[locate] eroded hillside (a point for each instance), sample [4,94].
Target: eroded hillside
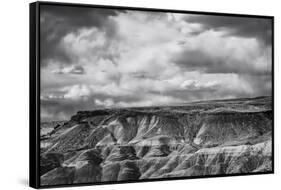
[194,139]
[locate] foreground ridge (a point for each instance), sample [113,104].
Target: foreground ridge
[193,139]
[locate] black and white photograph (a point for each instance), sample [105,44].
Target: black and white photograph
[137,95]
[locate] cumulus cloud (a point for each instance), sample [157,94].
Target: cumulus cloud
[58,21]
[105,103]
[196,85]
[77,92]
[213,52]
[97,58]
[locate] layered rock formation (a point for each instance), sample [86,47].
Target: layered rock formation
[195,139]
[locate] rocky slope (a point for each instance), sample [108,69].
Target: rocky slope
[194,139]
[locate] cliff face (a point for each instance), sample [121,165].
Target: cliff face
[203,138]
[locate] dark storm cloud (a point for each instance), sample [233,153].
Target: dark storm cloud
[259,28]
[196,60]
[57,21]
[76,70]
[144,75]
[261,83]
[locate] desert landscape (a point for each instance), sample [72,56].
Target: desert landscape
[231,136]
[138,95]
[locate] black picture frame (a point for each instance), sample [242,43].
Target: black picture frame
[34,83]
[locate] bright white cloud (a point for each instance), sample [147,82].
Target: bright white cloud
[82,42]
[106,103]
[77,92]
[197,85]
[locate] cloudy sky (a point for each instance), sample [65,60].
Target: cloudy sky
[95,58]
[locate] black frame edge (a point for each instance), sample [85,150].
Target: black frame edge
[152,9]
[33,91]
[273,95]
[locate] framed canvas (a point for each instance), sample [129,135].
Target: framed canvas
[126,94]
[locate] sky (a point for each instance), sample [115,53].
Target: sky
[93,58]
